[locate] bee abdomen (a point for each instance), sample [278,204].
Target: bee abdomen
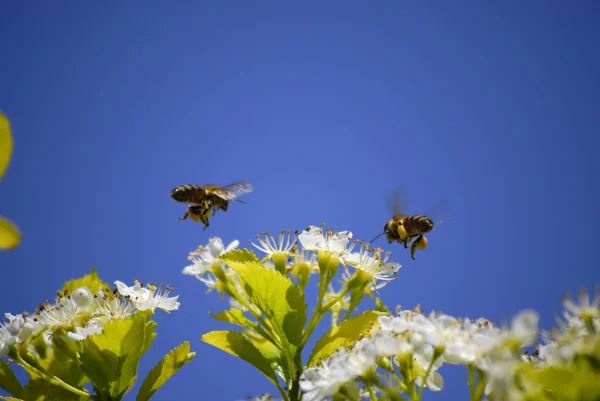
[411,224]
[192,193]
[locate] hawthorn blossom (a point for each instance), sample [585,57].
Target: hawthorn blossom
[204,257]
[271,247]
[149,297]
[371,262]
[313,239]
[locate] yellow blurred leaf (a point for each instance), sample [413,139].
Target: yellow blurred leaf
[5,144]
[10,236]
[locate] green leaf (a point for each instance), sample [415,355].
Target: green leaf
[10,236]
[347,333]
[150,335]
[91,281]
[10,398]
[41,346]
[236,344]
[8,380]
[42,390]
[110,359]
[240,255]
[236,316]
[267,348]
[6,144]
[166,368]
[64,362]
[281,301]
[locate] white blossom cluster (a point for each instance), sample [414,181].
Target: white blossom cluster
[82,314]
[313,240]
[434,339]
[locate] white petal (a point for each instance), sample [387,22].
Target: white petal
[234,244]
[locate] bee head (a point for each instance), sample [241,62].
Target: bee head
[426,225]
[178,194]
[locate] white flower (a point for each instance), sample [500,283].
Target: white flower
[111,308]
[269,246]
[149,297]
[323,381]
[83,298]
[422,361]
[524,326]
[81,333]
[313,239]
[586,309]
[371,262]
[445,332]
[204,257]
[63,313]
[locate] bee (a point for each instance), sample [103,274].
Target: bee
[404,228]
[205,199]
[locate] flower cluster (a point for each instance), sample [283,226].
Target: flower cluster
[376,355]
[81,313]
[417,345]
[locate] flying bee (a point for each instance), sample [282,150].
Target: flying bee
[206,198]
[405,228]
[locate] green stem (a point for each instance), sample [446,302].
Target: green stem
[471,381]
[51,378]
[409,382]
[480,386]
[282,392]
[436,355]
[335,300]
[371,392]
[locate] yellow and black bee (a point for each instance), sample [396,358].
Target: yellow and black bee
[404,228]
[206,198]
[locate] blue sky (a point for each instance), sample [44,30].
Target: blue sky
[324,108]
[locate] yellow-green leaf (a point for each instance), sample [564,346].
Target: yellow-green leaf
[237,345]
[240,255]
[347,333]
[236,316]
[42,390]
[8,380]
[10,236]
[5,144]
[150,335]
[10,398]
[110,359]
[275,295]
[91,281]
[166,368]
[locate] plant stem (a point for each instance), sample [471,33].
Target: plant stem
[471,381]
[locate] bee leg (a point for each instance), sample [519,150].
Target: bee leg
[204,219]
[187,213]
[420,243]
[402,234]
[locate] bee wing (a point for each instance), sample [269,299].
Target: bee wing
[233,191]
[396,200]
[440,212]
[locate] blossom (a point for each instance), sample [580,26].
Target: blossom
[268,245]
[585,309]
[445,333]
[149,297]
[371,262]
[423,359]
[313,239]
[81,333]
[325,380]
[204,257]
[112,307]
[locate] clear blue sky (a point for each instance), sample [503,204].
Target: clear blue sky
[324,107]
